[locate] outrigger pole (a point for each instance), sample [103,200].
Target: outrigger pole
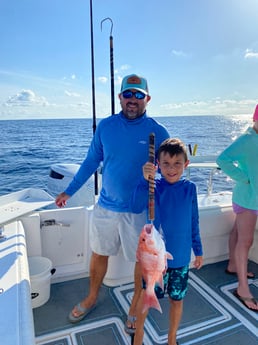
[111,65]
[93,89]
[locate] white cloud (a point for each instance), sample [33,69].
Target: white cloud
[72,94]
[125,67]
[216,106]
[250,54]
[118,80]
[25,98]
[71,77]
[179,53]
[103,80]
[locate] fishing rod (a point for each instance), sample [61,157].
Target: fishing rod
[111,65]
[151,179]
[93,90]
[192,152]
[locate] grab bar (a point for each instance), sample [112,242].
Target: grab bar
[52,222]
[2,235]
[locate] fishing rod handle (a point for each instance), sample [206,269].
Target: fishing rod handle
[151,180]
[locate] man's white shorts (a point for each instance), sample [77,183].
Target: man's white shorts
[110,230]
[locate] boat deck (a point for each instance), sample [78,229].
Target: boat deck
[212,315]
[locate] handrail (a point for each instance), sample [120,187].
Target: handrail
[204,162]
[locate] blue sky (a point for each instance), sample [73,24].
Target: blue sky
[200,56]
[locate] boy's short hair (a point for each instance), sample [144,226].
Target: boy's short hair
[173,146]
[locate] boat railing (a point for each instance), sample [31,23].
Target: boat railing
[204,162]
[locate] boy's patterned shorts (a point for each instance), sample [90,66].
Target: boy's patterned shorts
[175,283]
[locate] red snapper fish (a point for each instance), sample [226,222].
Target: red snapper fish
[152,256]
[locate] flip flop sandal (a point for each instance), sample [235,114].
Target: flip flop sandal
[130,329]
[243,300]
[83,312]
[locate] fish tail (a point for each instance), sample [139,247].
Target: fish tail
[150,301]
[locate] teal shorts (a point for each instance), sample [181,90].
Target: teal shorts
[175,283]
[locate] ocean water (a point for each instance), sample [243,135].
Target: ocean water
[28,148]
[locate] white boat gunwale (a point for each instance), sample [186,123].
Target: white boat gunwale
[24,227]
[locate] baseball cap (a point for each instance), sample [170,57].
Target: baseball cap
[136,82]
[255,116]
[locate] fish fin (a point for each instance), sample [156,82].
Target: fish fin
[169,256]
[160,230]
[161,282]
[150,301]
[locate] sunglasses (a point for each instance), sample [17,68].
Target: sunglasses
[136,94]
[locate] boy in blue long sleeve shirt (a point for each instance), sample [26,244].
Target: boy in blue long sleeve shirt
[176,212]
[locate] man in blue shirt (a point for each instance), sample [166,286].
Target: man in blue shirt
[121,144]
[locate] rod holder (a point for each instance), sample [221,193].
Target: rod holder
[53,222]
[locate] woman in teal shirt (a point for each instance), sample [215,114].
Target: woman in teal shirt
[239,161]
